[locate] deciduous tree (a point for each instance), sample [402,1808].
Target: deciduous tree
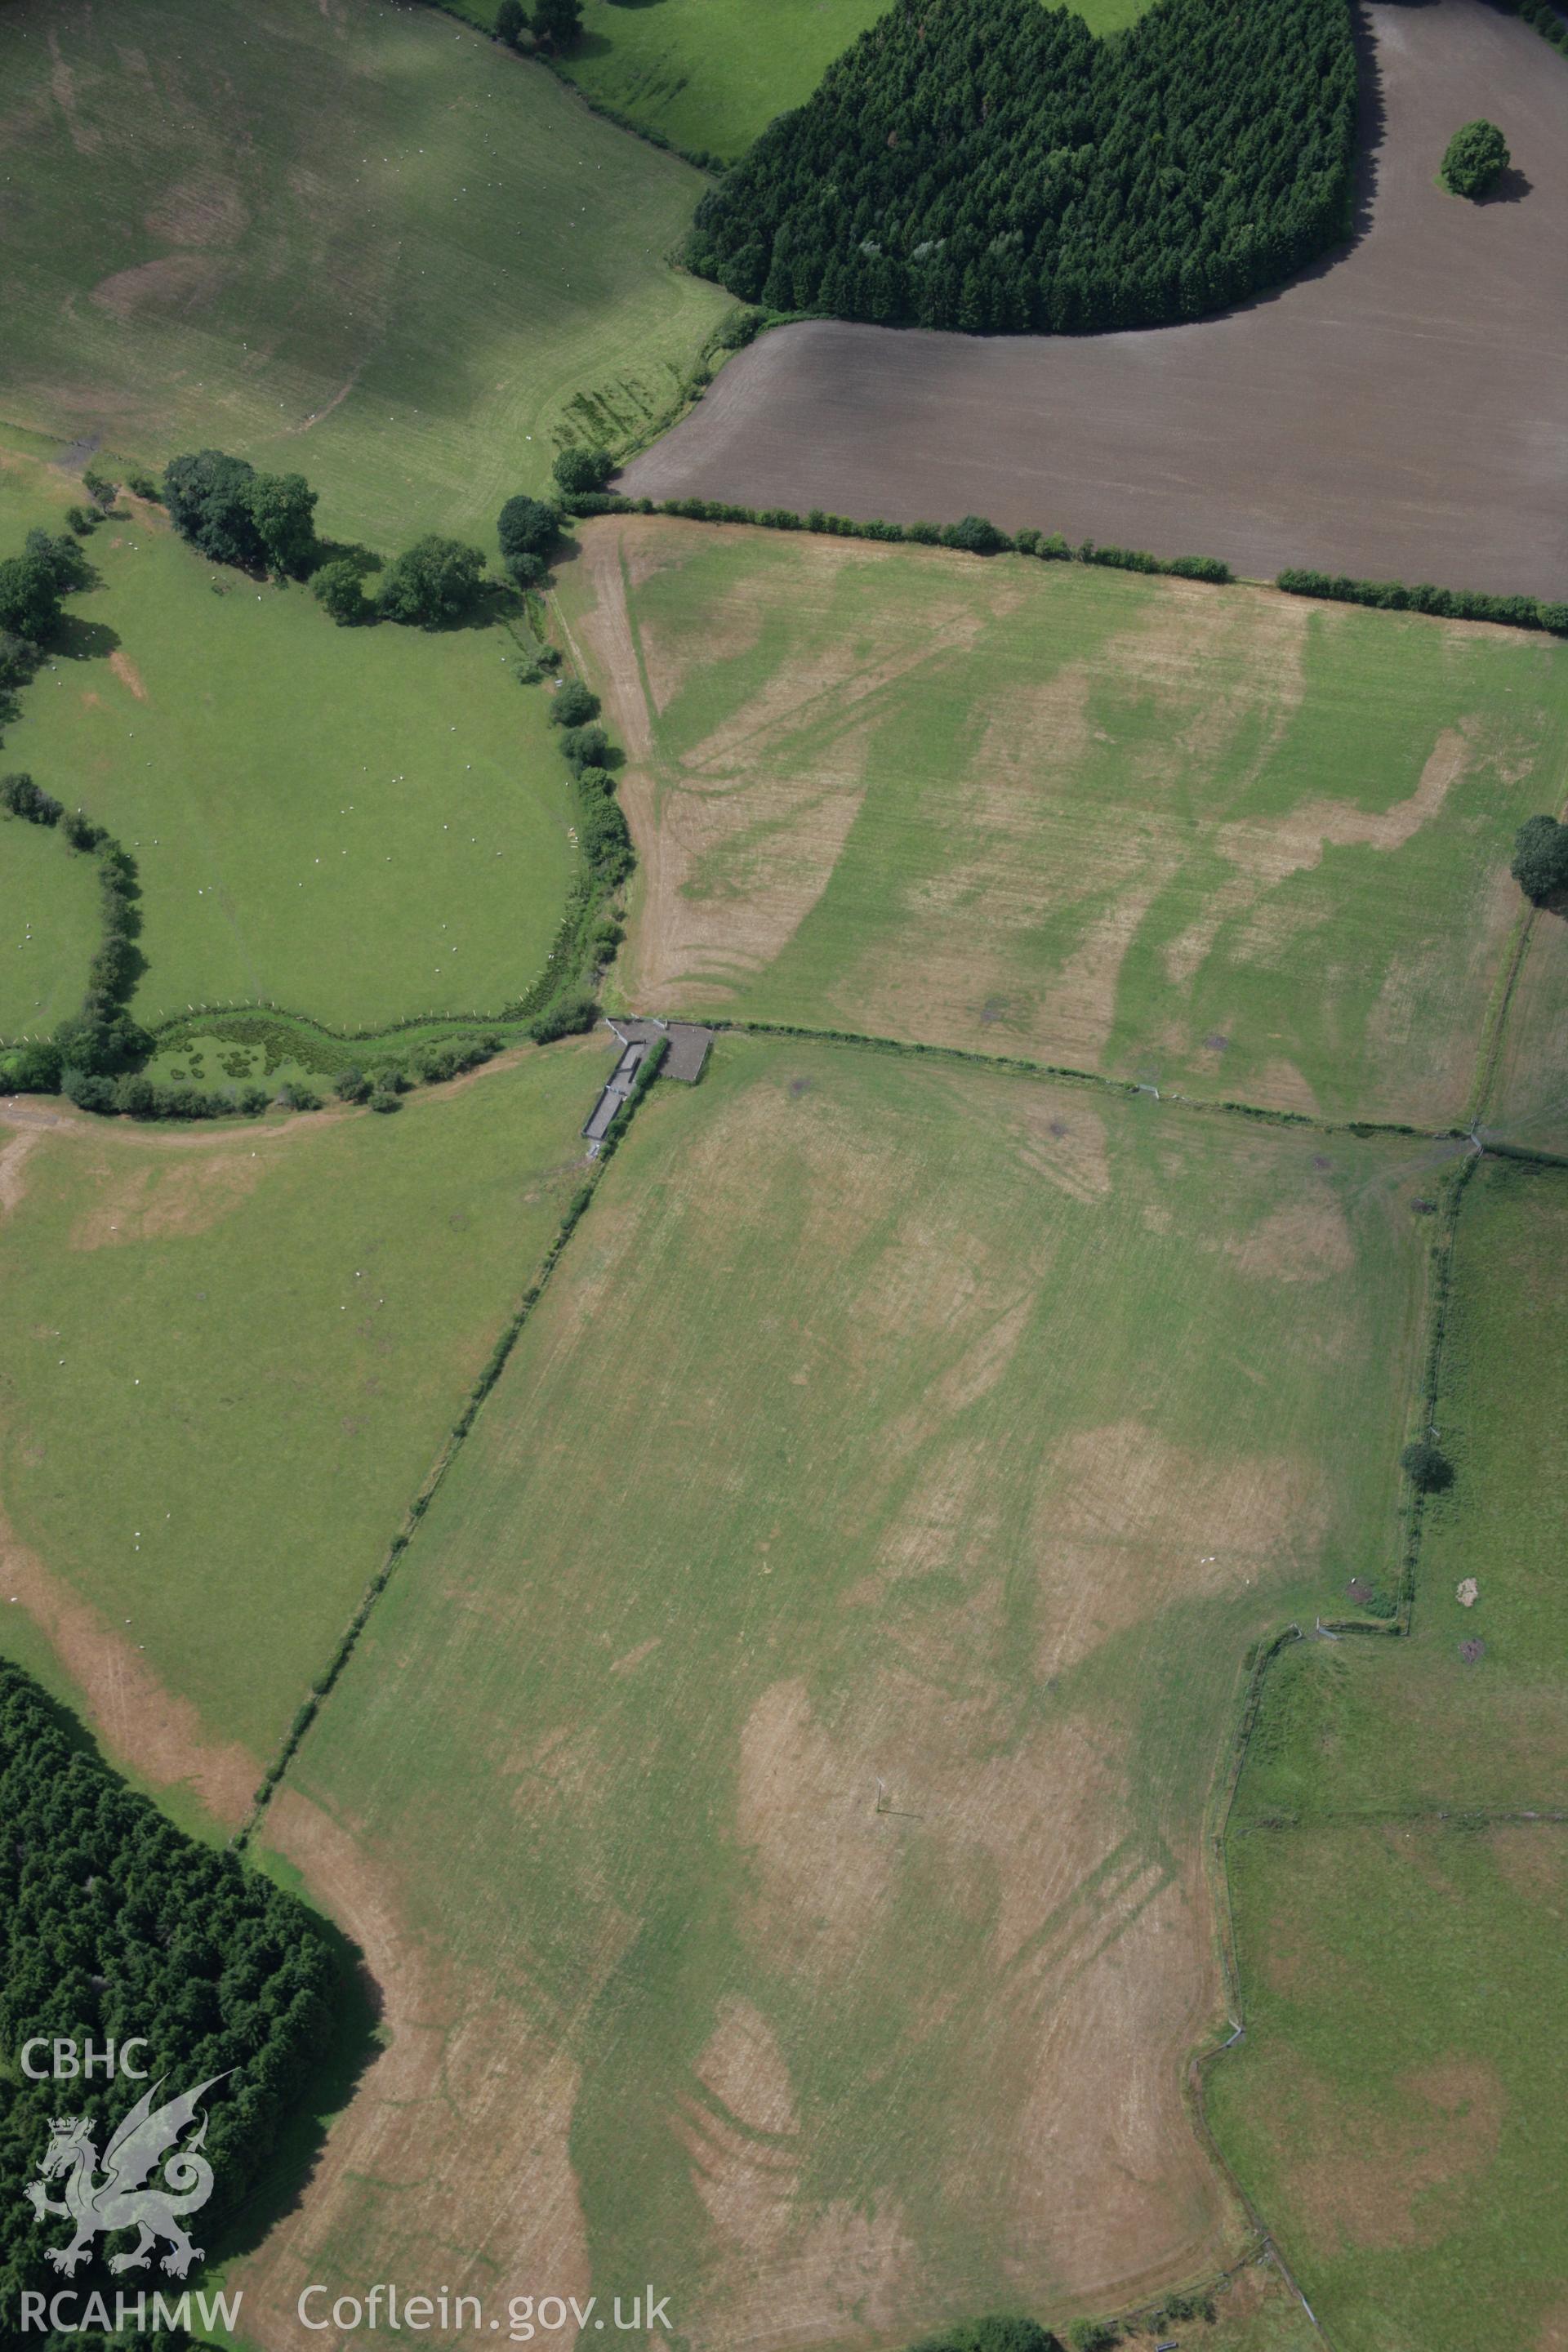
[558,23]
[1540,864]
[1476,159]
[434,581]
[341,592]
[527,526]
[1428,1467]
[283,509]
[29,598]
[573,704]
[579,470]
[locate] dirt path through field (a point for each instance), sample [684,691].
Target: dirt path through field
[1364,419]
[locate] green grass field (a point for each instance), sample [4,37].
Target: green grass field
[360,824]
[1528,1101]
[50,931]
[1215,840]
[712,74]
[1398,2105]
[359,241]
[229,1360]
[888,1426]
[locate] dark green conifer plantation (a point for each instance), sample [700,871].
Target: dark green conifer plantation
[990,166]
[115,1925]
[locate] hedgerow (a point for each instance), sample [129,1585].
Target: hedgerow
[1544,18]
[562,1001]
[990,166]
[972,534]
[1447,603]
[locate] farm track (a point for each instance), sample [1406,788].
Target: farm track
[1362,419]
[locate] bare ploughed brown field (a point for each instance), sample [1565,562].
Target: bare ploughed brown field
[1400,413]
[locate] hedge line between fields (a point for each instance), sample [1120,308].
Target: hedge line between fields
[97,1057]
[1064,1074]
[1544,18]
[701,158]
[1263,1656]
[973,535]
[325,1682]
[1442,604]
[1432,1370]
[978,536]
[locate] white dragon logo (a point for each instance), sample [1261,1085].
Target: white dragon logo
[117,2201]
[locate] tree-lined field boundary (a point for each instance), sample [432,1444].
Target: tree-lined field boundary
[1062,1074]
[1263,1658]
[452,1445]
[978,535]
[1413,1514]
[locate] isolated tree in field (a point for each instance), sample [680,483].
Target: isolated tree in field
[574,704]
[1475,160]
[1428,1467]
[510,22]
[526,526]
[207,497]
[338,587]
[1540,864]
[434,580]
[282,509]
[580,470]
[558,23]
[29,597]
